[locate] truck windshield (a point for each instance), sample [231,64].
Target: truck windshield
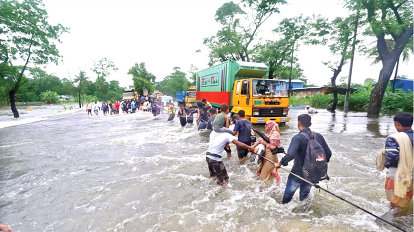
[269,88]
[128,95]
[191,94]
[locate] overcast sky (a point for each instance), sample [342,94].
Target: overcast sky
[166,34]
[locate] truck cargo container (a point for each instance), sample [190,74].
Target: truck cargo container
[245,86]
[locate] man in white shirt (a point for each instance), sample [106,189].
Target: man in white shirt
[214,155]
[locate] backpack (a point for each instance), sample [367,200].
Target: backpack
[247,135]
[315,167]
[154,107]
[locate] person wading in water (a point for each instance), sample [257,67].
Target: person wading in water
[266,169]
[214,155]
[397,157]
[297,151]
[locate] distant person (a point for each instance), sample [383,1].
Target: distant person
[5,228]
[117,107]
[96,108]
[145,106]
[213,114]
[110,109]
[243,129]
[297,151]
[133,107]
[104,107]
[171,111]
[214,155]
[182,115]
[89,108]
[190,113]
[311,110]
[206,103]
[202,116]
[399,163]
[155,108]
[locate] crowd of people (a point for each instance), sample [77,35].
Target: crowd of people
[126,106]
[396,156]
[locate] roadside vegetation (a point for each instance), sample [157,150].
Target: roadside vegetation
[359,101]
[28,39]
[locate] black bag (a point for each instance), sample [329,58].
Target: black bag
[315,166]
[247,136]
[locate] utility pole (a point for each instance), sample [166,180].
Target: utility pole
[348,90]
[290,74]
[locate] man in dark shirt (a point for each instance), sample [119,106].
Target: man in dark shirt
[297,151]
[243,137]
[213,113]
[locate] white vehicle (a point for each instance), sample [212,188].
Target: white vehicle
[166,99]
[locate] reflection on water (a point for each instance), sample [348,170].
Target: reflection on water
[140,173]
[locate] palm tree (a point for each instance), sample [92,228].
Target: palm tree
[81,78]
[390,45]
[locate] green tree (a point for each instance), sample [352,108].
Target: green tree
[391,18]
[48,96]
[102,69]
[193,74]
[81,80]
[339,43]
[176,81]
[373,52]
[114,91]
[234,40]
[67,87]
[25,35]
[140,84]
[139,70]
[43,81]
[294,30]
[142,78]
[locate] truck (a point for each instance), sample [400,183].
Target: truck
[245,86]
[129,94]
[190,96]
[187,96]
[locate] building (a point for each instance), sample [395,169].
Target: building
[296,84]
[310,91]
[405,85]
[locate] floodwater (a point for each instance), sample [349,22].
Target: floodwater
[137,172]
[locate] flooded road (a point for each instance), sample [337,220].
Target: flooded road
[72,172]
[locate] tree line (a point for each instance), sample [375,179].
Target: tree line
[27,38]
[389,22]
